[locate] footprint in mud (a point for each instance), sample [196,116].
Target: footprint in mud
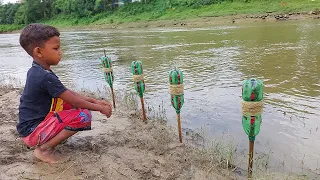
[83,144]
[8,159]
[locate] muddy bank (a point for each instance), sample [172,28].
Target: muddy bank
[204,21]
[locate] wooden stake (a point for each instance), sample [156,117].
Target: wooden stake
[179,128]
[114,101]
[105,54]
[251,146]
[143,111]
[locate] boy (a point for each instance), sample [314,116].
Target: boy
[47,114]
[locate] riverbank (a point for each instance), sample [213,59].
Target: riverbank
[207,21]
[224,13]
[142,16]
[121,147]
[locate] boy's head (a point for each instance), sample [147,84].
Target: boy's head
[42,42]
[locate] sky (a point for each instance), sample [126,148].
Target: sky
[7,1]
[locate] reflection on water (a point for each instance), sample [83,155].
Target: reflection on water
[215,60]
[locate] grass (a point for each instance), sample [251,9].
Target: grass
[223,9]
[257,7]
[9,27]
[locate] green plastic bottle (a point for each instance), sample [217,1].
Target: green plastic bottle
[136,69]
[252,90]
[108,76]
[251,126]
[176,78]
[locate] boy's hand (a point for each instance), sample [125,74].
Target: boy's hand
[107,110]
[103,102]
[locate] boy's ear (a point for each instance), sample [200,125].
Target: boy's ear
[37,52]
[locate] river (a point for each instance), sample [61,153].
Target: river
[215,60]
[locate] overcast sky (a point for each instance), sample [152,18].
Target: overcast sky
[6,1]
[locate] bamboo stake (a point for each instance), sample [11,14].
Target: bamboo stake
[143,110]
[113,99]
[251,146]
[179,128]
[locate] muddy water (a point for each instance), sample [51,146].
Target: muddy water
[215,60]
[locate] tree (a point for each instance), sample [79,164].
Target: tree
[33,11]
[63,6]
[103,5]
[20,16]
[7,13]
[47,7]
[84,8]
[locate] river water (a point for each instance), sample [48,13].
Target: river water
[215,60]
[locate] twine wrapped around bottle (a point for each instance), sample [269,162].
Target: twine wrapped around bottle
[107,70]
[137,78]
[252,108]
[176,89]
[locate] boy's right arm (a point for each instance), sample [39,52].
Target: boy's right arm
[77,102]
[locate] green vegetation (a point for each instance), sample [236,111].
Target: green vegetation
[9,27]
[66,13]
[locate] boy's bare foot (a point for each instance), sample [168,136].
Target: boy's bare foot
[49,156]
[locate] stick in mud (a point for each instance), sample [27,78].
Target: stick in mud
[179,128]
[143,110]
[251,147]
[113,99]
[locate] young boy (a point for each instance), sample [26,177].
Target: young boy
[49,113]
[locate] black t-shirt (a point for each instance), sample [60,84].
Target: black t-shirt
[41,86]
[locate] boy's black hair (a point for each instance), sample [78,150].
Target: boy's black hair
[35,35]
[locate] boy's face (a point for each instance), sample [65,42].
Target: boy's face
[51,52]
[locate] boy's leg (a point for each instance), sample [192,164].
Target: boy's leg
[56,128]
[46,153]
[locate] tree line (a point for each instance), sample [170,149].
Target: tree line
[31,11]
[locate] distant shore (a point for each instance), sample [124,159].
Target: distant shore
[224,13]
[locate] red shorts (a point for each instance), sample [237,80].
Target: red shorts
[55,122]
